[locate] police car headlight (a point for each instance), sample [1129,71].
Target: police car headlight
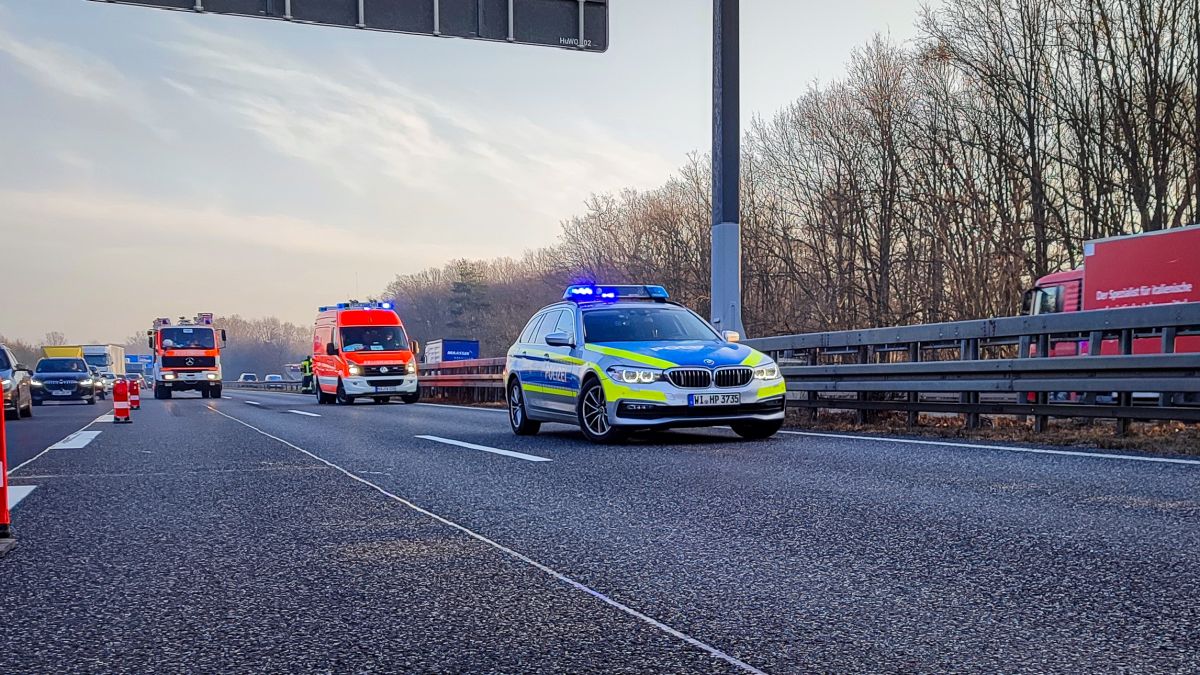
[634,375]
[411,367]
[355,370]
[769,371]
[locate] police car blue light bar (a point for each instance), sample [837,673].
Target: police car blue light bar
[592,293]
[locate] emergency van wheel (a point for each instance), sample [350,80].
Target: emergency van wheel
[757,431]
[322,397]
[411,398]
[518,417]
[341,397]
[593,415]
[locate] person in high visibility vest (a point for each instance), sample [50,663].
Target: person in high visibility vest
[306,369]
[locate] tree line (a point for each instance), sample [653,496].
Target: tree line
[935,181]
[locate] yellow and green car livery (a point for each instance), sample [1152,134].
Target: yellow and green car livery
[612,359]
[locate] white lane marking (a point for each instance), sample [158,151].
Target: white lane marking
[18,492]
[484,448]
[35,457]
[251,402]
[76,441]
[301,412]
[1007,448]
[713,651]
[227,398]
[463,407]
[104,419]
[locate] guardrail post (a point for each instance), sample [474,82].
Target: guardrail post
[914,398]
[1040,422]
[861,414]
[969,351]
[1124,398]
[1168,347]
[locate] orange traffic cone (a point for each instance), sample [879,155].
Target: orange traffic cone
[135,395]
[121,402]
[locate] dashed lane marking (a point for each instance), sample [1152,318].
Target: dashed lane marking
[104,419]
[703,646]
[301,412]
[18,492]
[1006,448]
[484,448]
[37,456]
[76,441]
[251,402]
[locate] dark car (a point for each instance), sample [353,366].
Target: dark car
[64,379]
[18,394]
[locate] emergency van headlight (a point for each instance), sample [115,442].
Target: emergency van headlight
[634,375]
[355,370]
[769,371]
[411,368]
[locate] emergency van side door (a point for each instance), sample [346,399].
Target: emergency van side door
[323,364]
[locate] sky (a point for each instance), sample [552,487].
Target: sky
[163,163]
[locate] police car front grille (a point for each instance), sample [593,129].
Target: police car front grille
[690,378]
[734,377]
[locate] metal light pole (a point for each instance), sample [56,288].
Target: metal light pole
[726,292]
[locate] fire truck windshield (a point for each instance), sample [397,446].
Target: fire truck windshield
[188,338]
[374,339]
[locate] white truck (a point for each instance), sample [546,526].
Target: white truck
[106,358]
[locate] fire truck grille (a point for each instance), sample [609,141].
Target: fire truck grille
[189,361]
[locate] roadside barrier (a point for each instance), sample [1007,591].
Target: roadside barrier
[6,537]
[121,402]
[135,395]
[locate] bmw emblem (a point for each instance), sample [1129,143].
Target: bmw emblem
[383,369]
[709,362]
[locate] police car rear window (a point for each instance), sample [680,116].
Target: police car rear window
[643,324]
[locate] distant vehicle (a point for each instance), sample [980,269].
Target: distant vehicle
[615,359]
[64,379]
[1154,268]
[247,377]
[438,351]
[98,377]
[187,356]
[107,358]
[17,383]
[360,350]
[274,381]
[108,379]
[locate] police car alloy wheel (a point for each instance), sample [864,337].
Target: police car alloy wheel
[593,415]
[518,418]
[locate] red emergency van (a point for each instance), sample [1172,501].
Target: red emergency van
[361,350]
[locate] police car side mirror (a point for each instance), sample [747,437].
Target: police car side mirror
[559,339]
[732,336]
[331,349]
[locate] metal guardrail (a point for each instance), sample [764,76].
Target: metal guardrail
[287,385]
[476,381]
[1007,361]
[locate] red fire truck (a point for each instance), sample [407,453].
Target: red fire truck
[187,356]
[1154,268]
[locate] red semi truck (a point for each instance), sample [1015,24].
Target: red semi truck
[1154,268]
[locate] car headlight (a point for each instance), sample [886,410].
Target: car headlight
[87,382]
[355,370]
[411,367]
[35,383]
[634,374]
[7,384]
[768,371]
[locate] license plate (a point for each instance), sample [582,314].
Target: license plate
[386,390]
[62,393]
[697,400]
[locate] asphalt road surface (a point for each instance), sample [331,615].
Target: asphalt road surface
[263,532]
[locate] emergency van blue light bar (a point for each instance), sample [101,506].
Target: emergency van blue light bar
[591,293]
[357,305]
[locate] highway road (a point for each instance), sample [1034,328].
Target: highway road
[263,532]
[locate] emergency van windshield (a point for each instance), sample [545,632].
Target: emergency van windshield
[644,324]
[374,339]
[188,338]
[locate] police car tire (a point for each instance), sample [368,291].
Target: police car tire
[757,431]
[613,435]
[526,427]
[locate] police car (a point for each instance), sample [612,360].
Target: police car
[613,359]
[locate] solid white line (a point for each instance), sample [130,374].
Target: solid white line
[713,651]
[1007,448]
[18,492]
[464,407]
[301,412]
[35,457]
[251,402]
[76,441]
[484,448]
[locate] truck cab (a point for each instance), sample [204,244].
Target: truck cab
[187,356]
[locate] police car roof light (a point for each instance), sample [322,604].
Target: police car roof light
[589,293]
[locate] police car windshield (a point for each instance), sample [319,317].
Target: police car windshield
[61,366]
[644,324]
[374,339]
[188,338]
